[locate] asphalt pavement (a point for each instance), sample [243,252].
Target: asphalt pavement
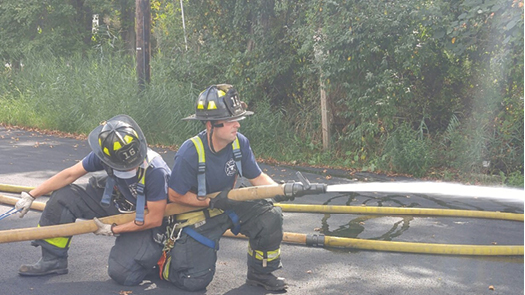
[27,158]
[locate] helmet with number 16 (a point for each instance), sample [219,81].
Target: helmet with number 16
[119,143]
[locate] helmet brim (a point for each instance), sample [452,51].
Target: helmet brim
[239,117]
[97,150]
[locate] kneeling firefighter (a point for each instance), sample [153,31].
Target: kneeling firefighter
[211,162]
[136,177]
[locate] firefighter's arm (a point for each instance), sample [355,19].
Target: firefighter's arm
[189,198]
[152,219]
[262,179]
[59,180]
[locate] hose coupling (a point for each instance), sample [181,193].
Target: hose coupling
[316,240]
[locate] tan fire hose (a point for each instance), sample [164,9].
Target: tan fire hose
[87,226]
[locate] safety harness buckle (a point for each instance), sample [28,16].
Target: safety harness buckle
[202,167]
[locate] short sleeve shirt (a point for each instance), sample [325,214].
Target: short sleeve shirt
[221,169]
[156,181]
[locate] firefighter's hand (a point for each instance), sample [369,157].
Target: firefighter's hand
[24,203]
[282,198]
[222,202]
[103,228]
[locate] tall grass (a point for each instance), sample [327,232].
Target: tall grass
[76,94]
[72,95]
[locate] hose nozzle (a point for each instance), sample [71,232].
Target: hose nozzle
[303,187]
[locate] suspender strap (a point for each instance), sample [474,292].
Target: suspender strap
[235,219]
[141,187]
[200,238]
[237,155]
[201,174]
[141,200]
[108,191]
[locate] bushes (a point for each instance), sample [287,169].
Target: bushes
[408,151]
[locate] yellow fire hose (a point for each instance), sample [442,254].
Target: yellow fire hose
[330,209]
[390,246]
[294,238]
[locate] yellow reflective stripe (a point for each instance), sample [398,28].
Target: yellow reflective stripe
[117,146]
[200,105]
[60,242]
[199,147]
[236,144]
[143,178]
[166,270]
[212,105]
[259,255]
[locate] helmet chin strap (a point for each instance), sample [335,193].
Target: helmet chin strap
[213,126]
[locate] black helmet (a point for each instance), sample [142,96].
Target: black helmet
[219,102]
[119,142]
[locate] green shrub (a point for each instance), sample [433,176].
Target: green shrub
[408,151]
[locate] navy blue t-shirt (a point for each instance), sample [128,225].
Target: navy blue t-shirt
[156,182]
[221,170]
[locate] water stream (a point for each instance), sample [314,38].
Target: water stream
[434,188]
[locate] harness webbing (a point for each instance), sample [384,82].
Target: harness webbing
[236,223]
[141,199]
[108,189]
[141,185]
[201,174]
[236,146]
[200,238]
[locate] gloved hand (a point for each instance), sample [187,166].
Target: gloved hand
[282,198]
[24,203]
[222,202]
[103,228]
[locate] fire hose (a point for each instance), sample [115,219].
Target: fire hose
[316,240]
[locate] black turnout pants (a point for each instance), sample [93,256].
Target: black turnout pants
[133,255]
[193,264]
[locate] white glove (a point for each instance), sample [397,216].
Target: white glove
[103,228]
[24,203]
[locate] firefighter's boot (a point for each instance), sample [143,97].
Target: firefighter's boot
[48,264]
[266,280]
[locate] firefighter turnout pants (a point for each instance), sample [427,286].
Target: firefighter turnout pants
[193,262]
[133,255]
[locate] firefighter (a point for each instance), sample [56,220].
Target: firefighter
[135,176]
[211,162]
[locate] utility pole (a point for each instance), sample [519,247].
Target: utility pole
[143,50]
[325,115]
[320,57]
